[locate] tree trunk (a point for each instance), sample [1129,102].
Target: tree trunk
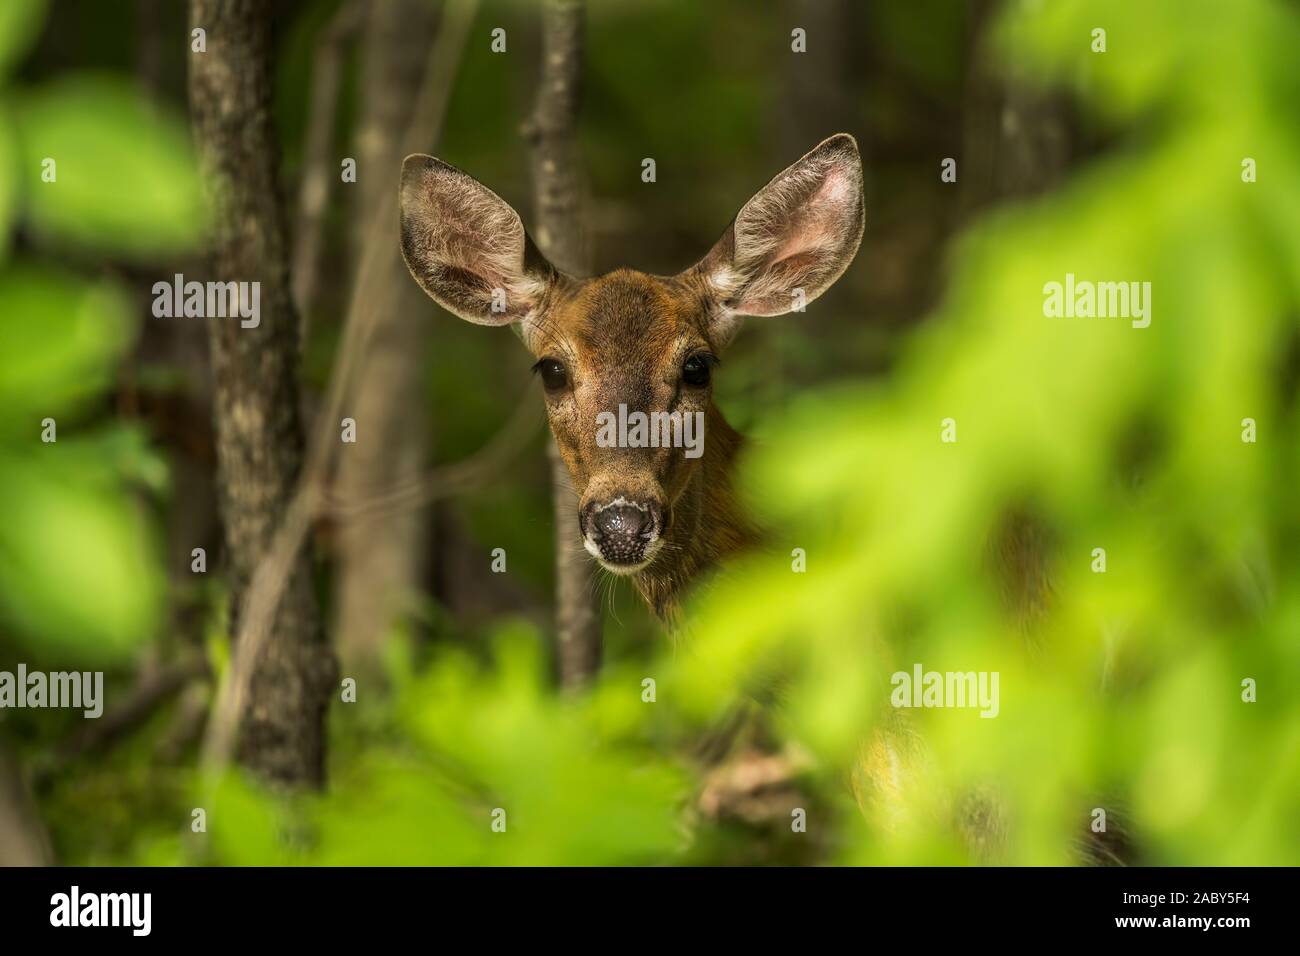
[23,841]
[381,555]
[557,220]
[1016,139]
[255,405]
[816,99]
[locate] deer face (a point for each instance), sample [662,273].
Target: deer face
[627,359]
[626,362]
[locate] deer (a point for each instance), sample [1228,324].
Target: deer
[656,514]
[631,340]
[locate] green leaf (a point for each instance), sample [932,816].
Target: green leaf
[20,22]
[79,576]
[59,336]
[116,454]
[125,177]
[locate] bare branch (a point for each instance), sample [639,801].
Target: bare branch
[443,482]
[154,688]
[380,556]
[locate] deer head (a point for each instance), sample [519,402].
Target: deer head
[627,359]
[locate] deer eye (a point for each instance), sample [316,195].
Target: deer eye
[554,376]
[696,370]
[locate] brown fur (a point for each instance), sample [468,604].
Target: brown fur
[622,338]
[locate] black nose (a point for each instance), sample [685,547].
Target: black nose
[622,531]
[622,521]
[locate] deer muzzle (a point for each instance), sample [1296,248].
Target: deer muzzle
[622,534]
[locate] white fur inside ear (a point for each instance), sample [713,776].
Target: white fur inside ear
[795,237]
[725,282]
[465,245]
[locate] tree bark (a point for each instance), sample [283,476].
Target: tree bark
[23,840]
[1016,138]
[817,98]
[557,220]
[255,403]
[380,562]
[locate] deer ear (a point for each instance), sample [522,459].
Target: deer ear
[466,247]
[791,241]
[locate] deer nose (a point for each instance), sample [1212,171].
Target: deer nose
[622,533]
[622,521]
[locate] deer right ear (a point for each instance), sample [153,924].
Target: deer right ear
[791,241]
[466,247]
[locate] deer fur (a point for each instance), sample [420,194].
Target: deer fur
[623,338]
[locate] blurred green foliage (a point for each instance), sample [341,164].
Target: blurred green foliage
[127,181]
[19,22]
[80,578]
[1131,688]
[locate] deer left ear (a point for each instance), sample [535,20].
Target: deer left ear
[791,241]
[467,248]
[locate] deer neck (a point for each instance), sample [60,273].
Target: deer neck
[708,525]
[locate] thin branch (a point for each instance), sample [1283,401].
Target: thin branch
[450,480]
[318,160]
[153,689]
